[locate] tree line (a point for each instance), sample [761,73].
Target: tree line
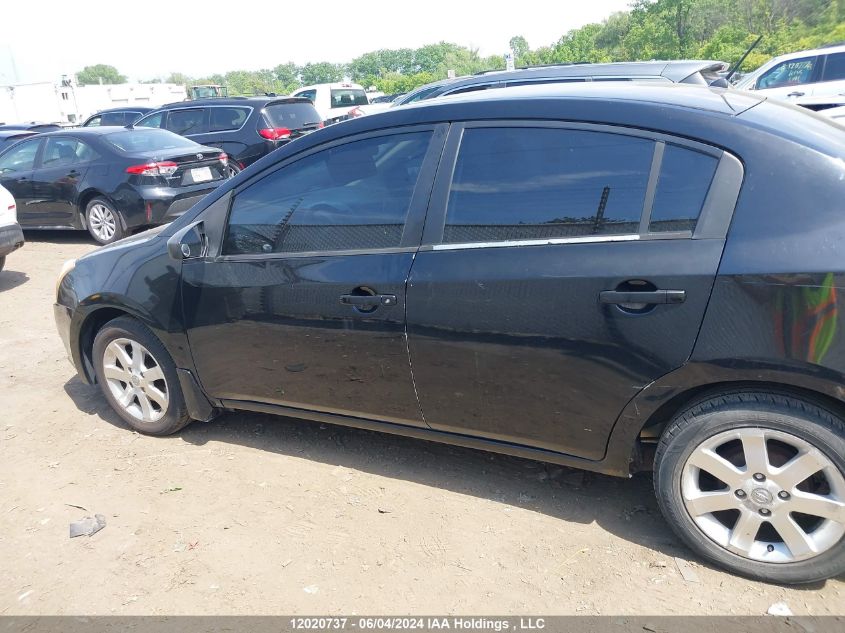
[651,29]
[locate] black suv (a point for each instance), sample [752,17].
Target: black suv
[116,116]
[246,128]
[616,278]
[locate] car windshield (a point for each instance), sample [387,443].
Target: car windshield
[291,115]
[148,140]
[348,97]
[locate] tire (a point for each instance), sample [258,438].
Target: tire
[2,262]
[232,169]
[104,222]
[757,431]
[149,399]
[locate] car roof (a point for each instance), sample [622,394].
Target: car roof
[97,131]
[8,133]
[127,108]
[824,50]
[257,101]
[335,84]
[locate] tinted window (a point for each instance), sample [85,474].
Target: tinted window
[19,158]
[94,121]
[791,73]
[348,97]
[119,118]
[418,96]
[307,94]
[224,118]
[185,121]
[354,196]
[834,68]
[685,177]
[535,183]
[148,141]
[291,115]
[153,120]
[60,152]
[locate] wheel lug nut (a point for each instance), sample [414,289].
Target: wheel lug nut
[783,494]
[740,494]
[759,477]
[765,512]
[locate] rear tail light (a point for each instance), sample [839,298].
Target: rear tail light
[356,112]
[224,158]
[163,168]
[321,125]
[275,133]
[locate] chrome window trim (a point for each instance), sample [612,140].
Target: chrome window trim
[586,239]
[252,257]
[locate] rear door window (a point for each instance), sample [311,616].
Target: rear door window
[187,121]
[94,121]
[682,186]
[540,183]
[62,152]
[834,67]
[225,119]
[311,95]
[350,197]
[789,73]
[119,118]
[151,120]
[291,115]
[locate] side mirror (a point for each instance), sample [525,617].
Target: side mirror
[189,242]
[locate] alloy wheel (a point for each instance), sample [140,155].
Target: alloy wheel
[102,222]
[135,380]
[765,495]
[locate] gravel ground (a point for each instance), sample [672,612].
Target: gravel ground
[254,514]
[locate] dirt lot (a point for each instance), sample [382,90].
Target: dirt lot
[255,514]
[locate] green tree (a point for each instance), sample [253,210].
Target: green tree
[519,46]
[321,73]
[178,78]
[99,73]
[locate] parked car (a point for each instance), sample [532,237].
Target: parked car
[33,126]
[10,137]
[245,128]
[805,76]
[334,101]
[603,276]
[108,180]
[11,236]
[837,114]
[116,116]
[696,72]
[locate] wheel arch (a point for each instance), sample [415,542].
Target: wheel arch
[86,197]
[92,323]
[642,421]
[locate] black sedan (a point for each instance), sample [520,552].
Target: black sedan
[617,278]
[108,180]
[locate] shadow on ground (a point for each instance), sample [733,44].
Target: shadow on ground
[58,237]
[12,279]
[624,507]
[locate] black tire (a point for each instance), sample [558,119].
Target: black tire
[233,169]
[175,416]
[742,410]
[110,231]
[2,262]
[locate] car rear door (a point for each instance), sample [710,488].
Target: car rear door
[226,130]
[56,179]
[563,268]
[303,305]
[832,82]
[17,165]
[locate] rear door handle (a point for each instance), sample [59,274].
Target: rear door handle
[648,297]
[368,301]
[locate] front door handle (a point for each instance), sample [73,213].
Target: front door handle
[795,94]
[368,301]
[648,297]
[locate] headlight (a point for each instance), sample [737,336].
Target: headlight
[68,266]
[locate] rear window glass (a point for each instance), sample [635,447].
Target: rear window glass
[685,177]
[226,118]
[119,118]
[291,115]
[348,97]
[147,140]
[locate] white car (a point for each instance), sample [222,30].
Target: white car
[334,101]
[803,78]
[11,236]
[837,114]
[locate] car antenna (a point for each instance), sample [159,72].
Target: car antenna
[742,59]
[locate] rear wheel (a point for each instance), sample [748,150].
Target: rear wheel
[755,482]
[138,378]
[103,221]
[232,169]
[2,262]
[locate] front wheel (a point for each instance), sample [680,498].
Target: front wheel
[755,482]
[103,221]
[138,378]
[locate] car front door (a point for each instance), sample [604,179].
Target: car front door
[562,269]
[16,168]
[304,305]
[56,179]
[791,80]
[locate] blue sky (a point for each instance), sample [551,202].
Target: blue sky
[198,38]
